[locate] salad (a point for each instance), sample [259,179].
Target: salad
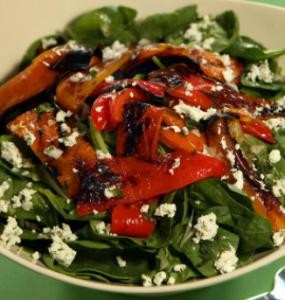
[144,151]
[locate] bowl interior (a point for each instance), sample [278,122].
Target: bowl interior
[32,20]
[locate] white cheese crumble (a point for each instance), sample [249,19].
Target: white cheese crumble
[278,238]
[103,155]
[3,206]
[144,209]
[36,256]
[175,128]
[65,128]
[70,141]
[185,130]
[166,210]
[171,280]
[48,42]
[61,252]
[11,233]
[228,75]
[206,228]
[53,152]
[282,209]
[24,199]
[4,187]
[61,115]
[179,268]
[109,79]
[278,188]
[109,191]
[63,233]
[194,113]
[102,228]
[115,51]
[29,138]
[175,165]
[231,157]
[274,156]
[208,43]
[79,77]
[238,175]
[121,262]
[260,72]
[275,123]
[11,154]
[226,261]
[159,278]
[147,281]
[193,33]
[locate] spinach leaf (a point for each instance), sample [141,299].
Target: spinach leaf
[250,50]
[103,26]
[159,26]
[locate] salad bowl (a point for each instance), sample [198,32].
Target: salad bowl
[259,21]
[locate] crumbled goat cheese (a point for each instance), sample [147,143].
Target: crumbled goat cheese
[4,187]
[175,165]
[109,79]
[147,281]
[206,227]
[193,33]
[166,209]
[275,123]
[11,233]
[185,130]
[238,175]
[48,42]
[144,42]
[102,228]
[121,262]
[194,113]
[23,199]
[228,75]
[115,51]
[159,278]
[61,115]
[61,252]
[102,155]
[11,154]
[79,77]
[281,102]
[227,261]
[208,43]
[3,206]
[29,138]
[274,156]
[260,72]
[224,143]
[175,128]
[74,170]
[171,280]
[65,128]
[63,233]
[109,191]
[70,141]
[231,157]
[179,268]
[53,152]
[278,238]
[144,209]
[278,188]
[36,256]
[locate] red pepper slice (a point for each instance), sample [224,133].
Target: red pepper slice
[142,179]
[129,221]
[258,129]
[145,145]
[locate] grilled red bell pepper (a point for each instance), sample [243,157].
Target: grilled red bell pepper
[258,129]
[141,179]
[139,136]
[129,221]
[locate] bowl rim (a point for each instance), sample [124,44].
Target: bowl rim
[154,290]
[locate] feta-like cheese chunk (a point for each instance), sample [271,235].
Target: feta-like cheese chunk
[11,154]
[179,268]
[278,238]
[261,72]
[115,51]
[48,42]
[275,123]
[238,175]
[274,156]
[206,227]
[159,278]
[4,187]
[171,280]
[61,252]
[29,138]
[4,206]
[194,113]
[24,199]
[70,140]
[61,115]
[121,262]
[11,233]
[147,281]
[144,209]
[278,188]
[175,165]
[166,209]
[53,152]
[36,256]
[102,155]
[226,261]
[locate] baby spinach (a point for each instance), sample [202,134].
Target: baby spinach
[103,26]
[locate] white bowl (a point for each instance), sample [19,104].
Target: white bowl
[24,21]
